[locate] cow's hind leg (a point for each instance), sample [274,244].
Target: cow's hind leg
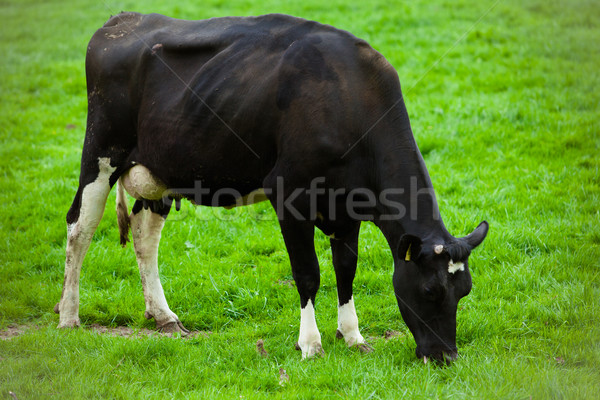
[82,220]
[147,220]
[345,254]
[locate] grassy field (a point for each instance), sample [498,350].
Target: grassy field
[504,99]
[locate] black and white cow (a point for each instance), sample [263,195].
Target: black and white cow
[230,111]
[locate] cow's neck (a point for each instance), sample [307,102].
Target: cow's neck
[402,174]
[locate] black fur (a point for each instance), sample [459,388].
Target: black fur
[260,102]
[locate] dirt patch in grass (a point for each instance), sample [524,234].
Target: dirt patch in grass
[392,334]
[126,331]
[286,282]
[14,330]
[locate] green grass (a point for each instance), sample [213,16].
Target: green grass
[508,123]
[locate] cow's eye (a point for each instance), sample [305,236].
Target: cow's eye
[434,292]
[429,292]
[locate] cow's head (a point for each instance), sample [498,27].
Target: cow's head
[430,278]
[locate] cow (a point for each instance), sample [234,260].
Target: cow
[231,111]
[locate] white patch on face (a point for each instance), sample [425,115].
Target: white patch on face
[453,267]
[310,338]
[79,237]
[139,182]
[438,249]
[348,323]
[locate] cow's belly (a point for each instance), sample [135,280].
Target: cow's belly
[142,184]
[253,197]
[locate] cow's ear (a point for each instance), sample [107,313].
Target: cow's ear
[409,247]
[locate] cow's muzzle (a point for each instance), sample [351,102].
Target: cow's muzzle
[442,356]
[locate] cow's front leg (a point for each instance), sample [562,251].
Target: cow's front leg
[299,241]
[146,226]
[345,255]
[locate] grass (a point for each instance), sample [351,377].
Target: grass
[505,110]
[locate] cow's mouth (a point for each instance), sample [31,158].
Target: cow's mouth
[443,357]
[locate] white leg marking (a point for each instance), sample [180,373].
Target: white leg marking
[348,323]
[310,338]
[146,227]
[79,237]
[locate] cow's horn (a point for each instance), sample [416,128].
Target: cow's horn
[438,249]
[475,238]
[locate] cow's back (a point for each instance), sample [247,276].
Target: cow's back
[252,88]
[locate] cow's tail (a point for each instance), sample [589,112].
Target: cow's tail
[122,214]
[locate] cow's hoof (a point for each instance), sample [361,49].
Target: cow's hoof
[312,350]
[57,308]
[357,342]
[173,327]
[364,348]
[73,323]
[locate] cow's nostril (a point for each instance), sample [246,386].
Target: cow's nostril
[450,356]
[444,357]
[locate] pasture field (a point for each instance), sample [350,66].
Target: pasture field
[504,99]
